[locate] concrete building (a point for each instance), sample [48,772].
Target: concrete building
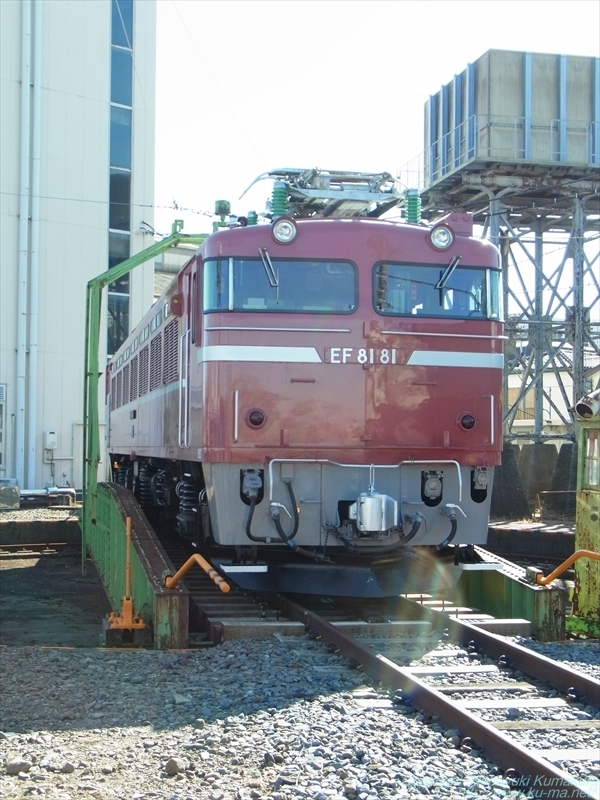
[557,394]
[77,180]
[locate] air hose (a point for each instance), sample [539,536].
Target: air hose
[275,516]
[393,548]
[451,514]
[417,520]
[249,516]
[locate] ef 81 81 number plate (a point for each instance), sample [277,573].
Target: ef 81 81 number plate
[361,355]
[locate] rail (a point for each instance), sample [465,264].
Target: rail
[506,753]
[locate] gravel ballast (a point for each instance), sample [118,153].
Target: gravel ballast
[278,718]
[41,514]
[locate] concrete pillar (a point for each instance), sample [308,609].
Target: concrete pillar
[564,479]
[536,467]
[508,496]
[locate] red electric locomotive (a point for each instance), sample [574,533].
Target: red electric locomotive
[316,398]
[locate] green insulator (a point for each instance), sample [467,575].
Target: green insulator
[252,218]
[279,199]
[413,205]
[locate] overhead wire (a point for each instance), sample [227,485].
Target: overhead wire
[155,206]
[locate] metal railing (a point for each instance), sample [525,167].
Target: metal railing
[133,567]
[507,139]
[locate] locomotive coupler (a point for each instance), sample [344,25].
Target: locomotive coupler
[374,512]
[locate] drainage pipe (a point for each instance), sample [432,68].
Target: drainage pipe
[50,491]
[31,415]
[22,287]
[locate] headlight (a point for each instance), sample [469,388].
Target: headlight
[284,230]
[256,418]
[441,237]
[467,421]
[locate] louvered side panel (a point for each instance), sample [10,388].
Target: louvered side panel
[156,362]
[143,374]
[170,360]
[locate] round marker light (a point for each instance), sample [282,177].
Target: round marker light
[467,421]
[284,230]
[256,418]
[441,238]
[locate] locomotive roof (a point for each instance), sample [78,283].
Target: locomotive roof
[355,238]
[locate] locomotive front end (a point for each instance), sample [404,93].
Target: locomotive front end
[358,406]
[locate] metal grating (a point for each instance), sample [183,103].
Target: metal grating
[156,362]
[143,374]
[170,360]
[133,379]
[125,384]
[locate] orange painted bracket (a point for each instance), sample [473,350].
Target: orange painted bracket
[541,581]
[127,619]
[196,558]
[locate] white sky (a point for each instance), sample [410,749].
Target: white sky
[244,86]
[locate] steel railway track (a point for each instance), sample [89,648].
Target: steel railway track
[469,694]
[431,690]
[460,693]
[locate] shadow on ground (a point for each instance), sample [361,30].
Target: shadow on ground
[46,600]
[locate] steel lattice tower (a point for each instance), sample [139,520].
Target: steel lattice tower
[502,144]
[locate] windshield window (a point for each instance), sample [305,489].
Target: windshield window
[446,290]
[280,285]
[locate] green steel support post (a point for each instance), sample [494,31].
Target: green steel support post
[91,433]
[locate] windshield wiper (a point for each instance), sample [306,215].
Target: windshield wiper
[445,276]
[269,269]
